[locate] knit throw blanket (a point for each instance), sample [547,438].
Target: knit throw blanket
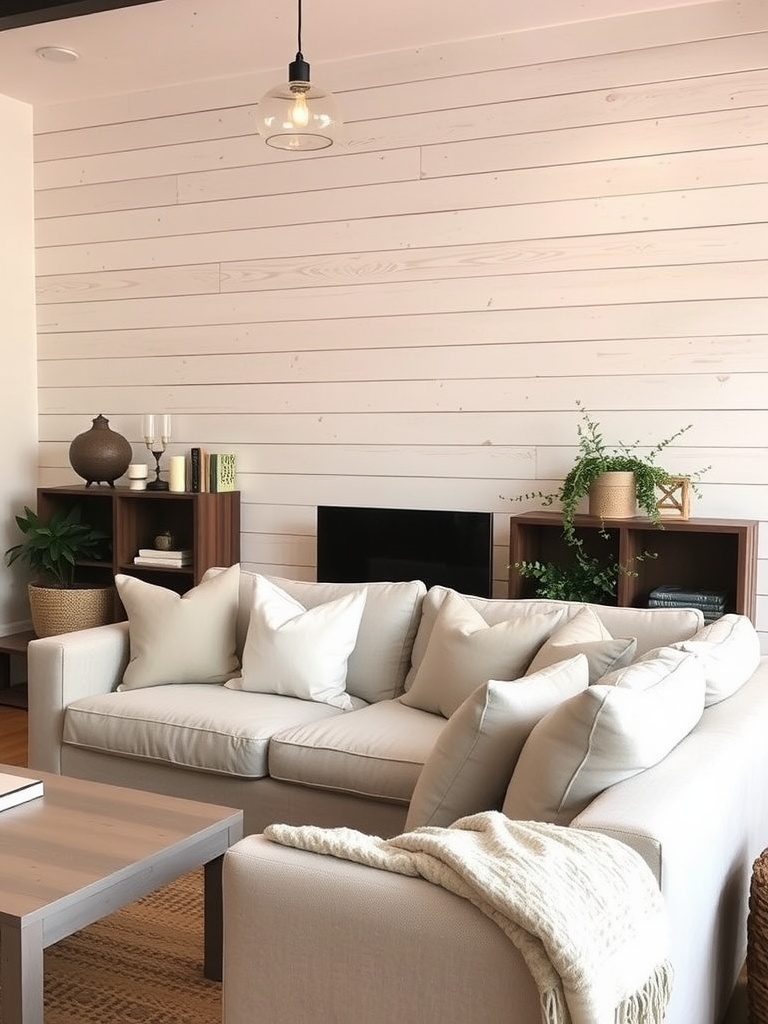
[583,909]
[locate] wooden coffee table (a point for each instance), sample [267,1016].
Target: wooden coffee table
[85,849]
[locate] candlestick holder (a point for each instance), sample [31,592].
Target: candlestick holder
[157,484]
[157,446]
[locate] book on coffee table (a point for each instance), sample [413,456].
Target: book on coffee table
[15,789]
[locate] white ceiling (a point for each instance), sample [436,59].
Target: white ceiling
[171,41]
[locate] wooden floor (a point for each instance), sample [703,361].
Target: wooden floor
[13,736]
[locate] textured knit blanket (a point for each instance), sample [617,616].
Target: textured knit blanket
[583,909]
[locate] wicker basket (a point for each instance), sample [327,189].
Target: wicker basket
[613,496]
[757,942]
[56,610]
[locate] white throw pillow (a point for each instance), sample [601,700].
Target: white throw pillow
[585,634]
[471,763]
[464,652]
[600,737]
[729,649]
[174,638]
[299,652]
[651,669]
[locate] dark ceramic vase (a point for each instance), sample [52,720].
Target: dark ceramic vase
[100,455]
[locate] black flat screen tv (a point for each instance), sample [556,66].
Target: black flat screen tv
[362,545]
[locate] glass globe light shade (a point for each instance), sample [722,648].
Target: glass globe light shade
[298,116]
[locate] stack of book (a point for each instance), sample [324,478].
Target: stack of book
[211,471]
[711,602]
[156,559]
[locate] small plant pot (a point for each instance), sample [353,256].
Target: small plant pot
[58,610]
[613,496]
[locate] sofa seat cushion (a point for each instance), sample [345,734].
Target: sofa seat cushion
[379,662]
[199,726]
[376,752]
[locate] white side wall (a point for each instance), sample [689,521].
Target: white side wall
[18,412]
[515,223]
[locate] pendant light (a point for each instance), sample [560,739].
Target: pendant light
[298,116]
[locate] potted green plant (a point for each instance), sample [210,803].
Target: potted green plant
[594,459]
[52,550]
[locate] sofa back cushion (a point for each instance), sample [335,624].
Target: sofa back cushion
[472,762]
[378,664]
[651,627]
[603,735]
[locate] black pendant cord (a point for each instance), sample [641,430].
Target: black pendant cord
[298,34]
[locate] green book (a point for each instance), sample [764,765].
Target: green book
[222,471]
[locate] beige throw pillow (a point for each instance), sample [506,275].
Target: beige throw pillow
[600,737]
[473,759]
[299,652]
[649,670]
[585,634]
[729,649]
[180,639]
[464,651]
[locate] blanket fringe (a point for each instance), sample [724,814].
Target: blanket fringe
[649,1004]
[553,1007]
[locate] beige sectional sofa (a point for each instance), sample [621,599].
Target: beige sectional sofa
[671,721]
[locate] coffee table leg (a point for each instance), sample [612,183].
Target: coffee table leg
[21,974]
[214,921]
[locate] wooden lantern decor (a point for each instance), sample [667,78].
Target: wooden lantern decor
[675,500]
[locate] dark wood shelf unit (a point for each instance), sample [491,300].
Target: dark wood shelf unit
[711,554]
[208,523]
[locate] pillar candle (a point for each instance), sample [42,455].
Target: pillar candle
[176,473]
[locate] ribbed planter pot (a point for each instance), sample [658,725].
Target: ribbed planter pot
[613,496]
[58,610]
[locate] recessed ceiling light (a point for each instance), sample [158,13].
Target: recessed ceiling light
[58,54]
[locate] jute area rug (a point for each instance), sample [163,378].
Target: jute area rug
[141,965]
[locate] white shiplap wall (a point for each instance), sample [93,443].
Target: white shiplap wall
[18,415]
[513,224]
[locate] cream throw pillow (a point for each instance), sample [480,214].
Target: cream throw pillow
[299,652]
[585,634]
[174,638]
[729,649]
[471,763]
[600,737]
[649,670]
[464,652]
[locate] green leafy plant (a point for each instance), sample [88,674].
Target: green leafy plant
[595,457]
[52,549]
[583,579]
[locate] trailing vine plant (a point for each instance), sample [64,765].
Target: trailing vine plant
[588,578]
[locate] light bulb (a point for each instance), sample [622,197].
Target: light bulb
[299,114]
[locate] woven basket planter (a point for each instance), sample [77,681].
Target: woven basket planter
[757,942]
[613,496]
[57,610]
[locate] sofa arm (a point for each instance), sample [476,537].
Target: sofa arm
[62,669]
[312,938]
